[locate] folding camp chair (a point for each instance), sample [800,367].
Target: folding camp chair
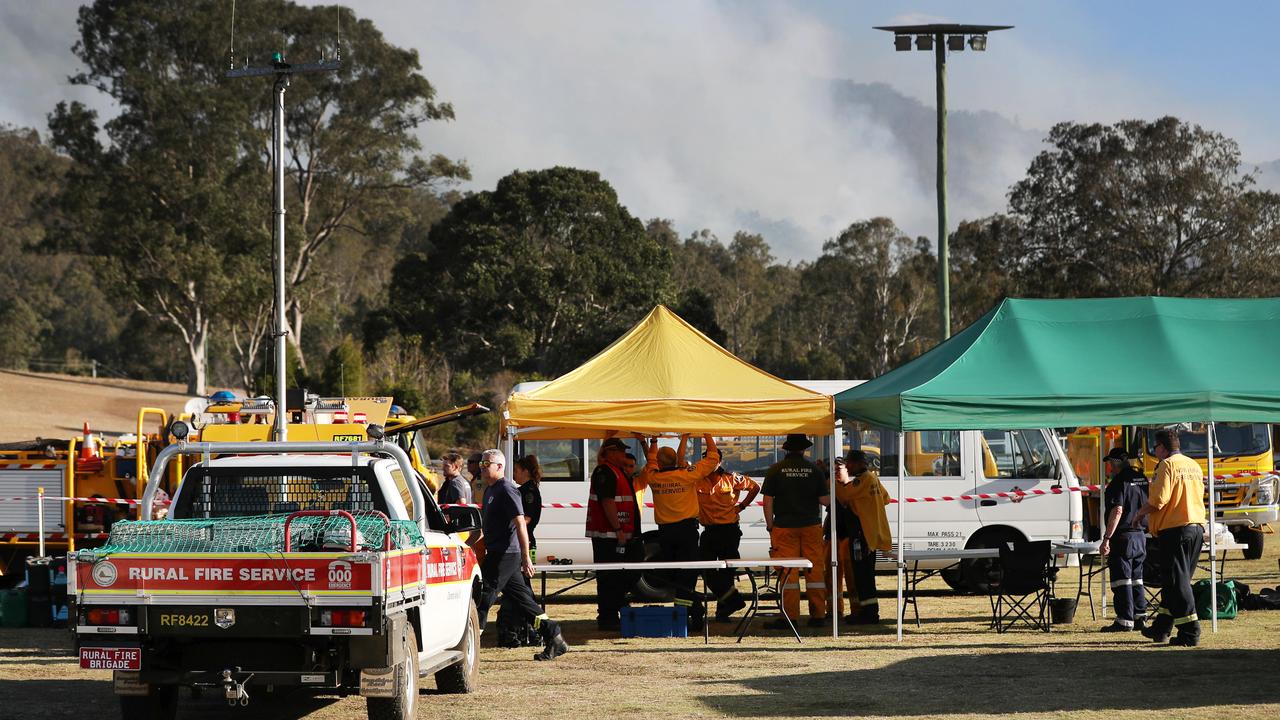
[1022,585]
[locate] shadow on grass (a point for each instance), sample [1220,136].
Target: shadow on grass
[73,698]
[1003,682]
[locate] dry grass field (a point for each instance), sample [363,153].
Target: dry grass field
[951,667]
[56,406]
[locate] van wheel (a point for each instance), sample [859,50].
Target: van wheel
[161,703]
[1254,539]
[954,579]
[976,573]
[404,706]
[464,676]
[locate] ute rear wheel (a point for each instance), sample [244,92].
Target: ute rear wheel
[404,706]
[161,703]
[464,676]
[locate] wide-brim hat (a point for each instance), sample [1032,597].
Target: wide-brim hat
[797,442]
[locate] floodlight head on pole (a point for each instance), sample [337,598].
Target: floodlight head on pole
[942,38]
[955,35]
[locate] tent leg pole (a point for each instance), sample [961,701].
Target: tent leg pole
[1213,543]
[833,577]
[901,541]
[1102,520]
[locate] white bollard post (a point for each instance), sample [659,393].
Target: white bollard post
[40,517]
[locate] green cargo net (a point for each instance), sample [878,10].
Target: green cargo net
[260,533]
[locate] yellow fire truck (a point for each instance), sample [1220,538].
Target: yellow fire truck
[85,468]
[1247,483]
[106,478]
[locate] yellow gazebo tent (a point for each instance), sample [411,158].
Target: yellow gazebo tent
[663,376]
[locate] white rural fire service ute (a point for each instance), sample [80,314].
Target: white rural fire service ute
[325,566]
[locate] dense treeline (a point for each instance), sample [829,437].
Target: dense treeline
[142,243]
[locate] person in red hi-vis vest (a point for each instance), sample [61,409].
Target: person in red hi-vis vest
[613,524]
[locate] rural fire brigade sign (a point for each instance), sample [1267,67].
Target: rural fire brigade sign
[106,658]
[196,574]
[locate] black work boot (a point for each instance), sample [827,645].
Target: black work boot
[507,638]
[554,644]
[1159,630]
[730,605]
[1188,635]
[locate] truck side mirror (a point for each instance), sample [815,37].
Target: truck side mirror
[462,519]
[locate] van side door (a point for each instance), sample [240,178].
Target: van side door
[1014,460]
[935,462]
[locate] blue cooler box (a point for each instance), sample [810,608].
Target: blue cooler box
[659,621]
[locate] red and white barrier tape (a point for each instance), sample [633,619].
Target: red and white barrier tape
[100,500]
[1012,494]
[49,537]
[29,465]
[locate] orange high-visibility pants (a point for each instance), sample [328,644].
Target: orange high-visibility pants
[805,542]
[844,571]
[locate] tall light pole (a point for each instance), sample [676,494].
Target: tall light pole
[941,38]
[282,72]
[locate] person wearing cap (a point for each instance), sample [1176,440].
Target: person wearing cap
[613,523]
[858,489]
[720,503]
[1125,546]
[508,560]
[1175,506]
[674,489]
[794,492]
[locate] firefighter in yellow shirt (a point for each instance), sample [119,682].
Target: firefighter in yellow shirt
[720,502]
[863,528]
[1175,516]
[673,486]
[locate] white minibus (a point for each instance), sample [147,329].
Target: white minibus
[938,463]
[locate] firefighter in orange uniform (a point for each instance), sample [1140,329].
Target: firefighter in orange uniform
[674,487]
[718,509]
[794,492]
[858,490]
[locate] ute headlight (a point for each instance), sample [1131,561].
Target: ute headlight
[1266,494]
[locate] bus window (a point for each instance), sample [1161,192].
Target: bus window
[751,456]
[931,453]
[559,459]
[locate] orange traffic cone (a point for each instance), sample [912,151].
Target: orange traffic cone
[89,460]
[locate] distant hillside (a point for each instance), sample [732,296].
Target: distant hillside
[1268,174]
[56,406]
[987,152]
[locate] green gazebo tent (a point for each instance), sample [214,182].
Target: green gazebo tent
[1107,361]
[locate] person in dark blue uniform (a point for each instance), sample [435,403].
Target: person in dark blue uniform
[1125,547]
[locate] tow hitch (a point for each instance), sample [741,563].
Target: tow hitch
[233,690]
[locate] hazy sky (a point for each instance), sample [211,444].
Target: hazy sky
[718,114]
